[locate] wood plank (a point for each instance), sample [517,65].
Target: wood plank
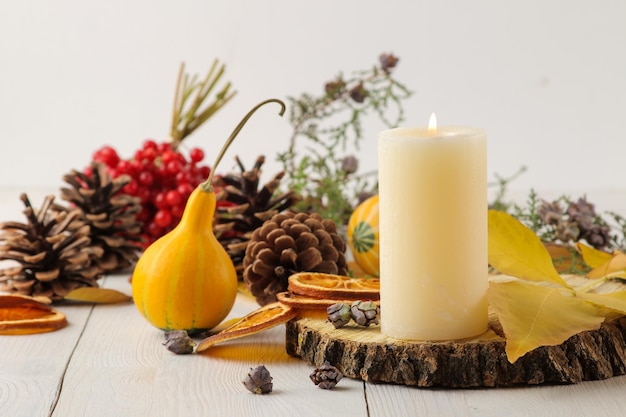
[586,399]
[32,366]
[121,368]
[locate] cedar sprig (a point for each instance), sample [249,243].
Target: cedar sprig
[331,127]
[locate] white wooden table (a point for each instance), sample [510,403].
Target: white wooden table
[110,362]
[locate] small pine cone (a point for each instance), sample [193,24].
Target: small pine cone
[290,243]
[326,376]
[259,380]
[179,342]
[53,252]
[358,93]
[111,214]
[581,209]
[364,313]
[567,231]
[550,213]
[598,236]
[339,314]
[388,62]
[334,89]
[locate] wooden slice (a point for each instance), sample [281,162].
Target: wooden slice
[367,354]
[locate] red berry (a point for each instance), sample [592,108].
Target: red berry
[185,189]
[163,218]
[192,169]
[167,157]
[173,167]
[160,201]
[135,168]
[139,155]
[177,211]
[123,167]
[144,215]
[146,178]
[154,230]
[164,147]
[196,154]
[149,144]
[144,195]
[161,173]
[131,188]
[150,154]
[174,198]
[107,155]
[204,172]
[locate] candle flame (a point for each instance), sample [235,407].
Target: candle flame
[432,123]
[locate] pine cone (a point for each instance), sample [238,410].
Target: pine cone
[242,208]
[53,252]
[339,314]
[290,243]
[110,214]
[326,376]
[364,313]
[550,213]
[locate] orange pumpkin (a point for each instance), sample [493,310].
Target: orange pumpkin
[363,236]
[185,280]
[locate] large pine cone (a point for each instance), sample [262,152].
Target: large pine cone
[290,243]
[242,208]
[53,253]
[111,215]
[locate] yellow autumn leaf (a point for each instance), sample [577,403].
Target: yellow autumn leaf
[615,267]
[97,295]
[516,250]
[592,256]
[613,300]
[533,315]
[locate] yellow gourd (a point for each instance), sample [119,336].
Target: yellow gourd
[363,236]
[185,280]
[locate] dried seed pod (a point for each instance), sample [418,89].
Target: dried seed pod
[259,380]
[326,376]
[339,314]
[364,312]
[179,342]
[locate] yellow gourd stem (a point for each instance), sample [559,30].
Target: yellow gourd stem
[207,186]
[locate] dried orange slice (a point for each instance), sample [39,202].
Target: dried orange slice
[309,307]
[264,318]
[337,287]
[302,302]
[24,315]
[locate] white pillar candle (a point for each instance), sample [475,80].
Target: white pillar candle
[433,232]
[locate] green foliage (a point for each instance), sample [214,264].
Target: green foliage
[564,220]
[322,168]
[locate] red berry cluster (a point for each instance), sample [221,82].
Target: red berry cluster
[162,177]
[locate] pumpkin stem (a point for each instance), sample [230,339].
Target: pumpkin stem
[207,186]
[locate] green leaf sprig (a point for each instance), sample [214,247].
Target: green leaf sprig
[331,124]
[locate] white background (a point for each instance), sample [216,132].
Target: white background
[546,79]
